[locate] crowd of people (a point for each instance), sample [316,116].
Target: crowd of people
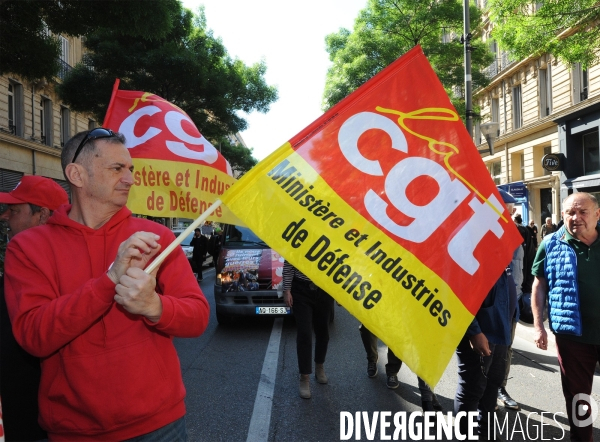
[485,352]
[80,316]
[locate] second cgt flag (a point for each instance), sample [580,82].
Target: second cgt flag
[384,202]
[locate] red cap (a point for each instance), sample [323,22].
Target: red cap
[36,190]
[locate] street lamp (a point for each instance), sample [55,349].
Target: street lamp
[490,132]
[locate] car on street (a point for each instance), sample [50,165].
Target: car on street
[248,276]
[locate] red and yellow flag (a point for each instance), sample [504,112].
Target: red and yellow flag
[177,172]
[384,202]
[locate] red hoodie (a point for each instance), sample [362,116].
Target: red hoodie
[106,374]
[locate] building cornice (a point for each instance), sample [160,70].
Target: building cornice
[32,145]
[539,125]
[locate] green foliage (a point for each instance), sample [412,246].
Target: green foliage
[525,32]
[188,67]
[240,158]
[386,29]
[27,48]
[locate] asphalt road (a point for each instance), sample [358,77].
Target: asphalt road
[242,384]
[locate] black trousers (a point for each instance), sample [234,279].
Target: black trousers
[312,310]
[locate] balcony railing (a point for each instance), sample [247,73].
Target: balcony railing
[499,65]
[64,69]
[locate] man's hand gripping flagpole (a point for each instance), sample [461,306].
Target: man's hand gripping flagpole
[157,262]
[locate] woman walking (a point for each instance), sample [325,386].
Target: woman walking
[312,310]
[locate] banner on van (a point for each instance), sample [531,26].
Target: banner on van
[178,172]
[384,203]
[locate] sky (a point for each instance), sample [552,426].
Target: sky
[290,37]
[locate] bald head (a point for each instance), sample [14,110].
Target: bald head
[581,215]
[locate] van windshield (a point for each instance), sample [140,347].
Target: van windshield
[186,241]
[242,235]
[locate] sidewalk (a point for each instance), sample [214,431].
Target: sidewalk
[527,332]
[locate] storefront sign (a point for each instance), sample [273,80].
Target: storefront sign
[554,162]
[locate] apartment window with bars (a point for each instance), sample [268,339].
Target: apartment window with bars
[545,91]
[591,153]
[581,83]
[517,113]
[65,125]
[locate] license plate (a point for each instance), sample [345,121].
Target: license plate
[273,310]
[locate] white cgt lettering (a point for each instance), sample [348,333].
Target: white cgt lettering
[426,218]
[173,121]
[357,125]
[128,125]
[462,245]
[429,217]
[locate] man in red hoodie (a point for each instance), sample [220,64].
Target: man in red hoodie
[80,300]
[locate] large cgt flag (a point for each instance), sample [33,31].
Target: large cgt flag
[177,172]
[384,203]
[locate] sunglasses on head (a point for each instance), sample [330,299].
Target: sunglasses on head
[94,134]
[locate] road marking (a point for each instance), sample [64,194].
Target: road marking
[261,414]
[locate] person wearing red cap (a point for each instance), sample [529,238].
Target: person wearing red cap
[30,204]
[80,300]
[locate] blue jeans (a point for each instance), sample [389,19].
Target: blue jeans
[173,432]
[478,381]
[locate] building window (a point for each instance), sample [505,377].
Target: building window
[11,108]
[517,107]
[547,150]
[477,133]
[580,83]
[46,129]
[16,114]
[495,169]
[522,166]
[65,67]
[92,124]
[545,91]
[496,113]
[65,125]
[591,153]
[64,49]
[9,179]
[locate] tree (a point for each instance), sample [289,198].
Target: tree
[386,29]
[240,158]
[188,67]
[29,45]
[567,29]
